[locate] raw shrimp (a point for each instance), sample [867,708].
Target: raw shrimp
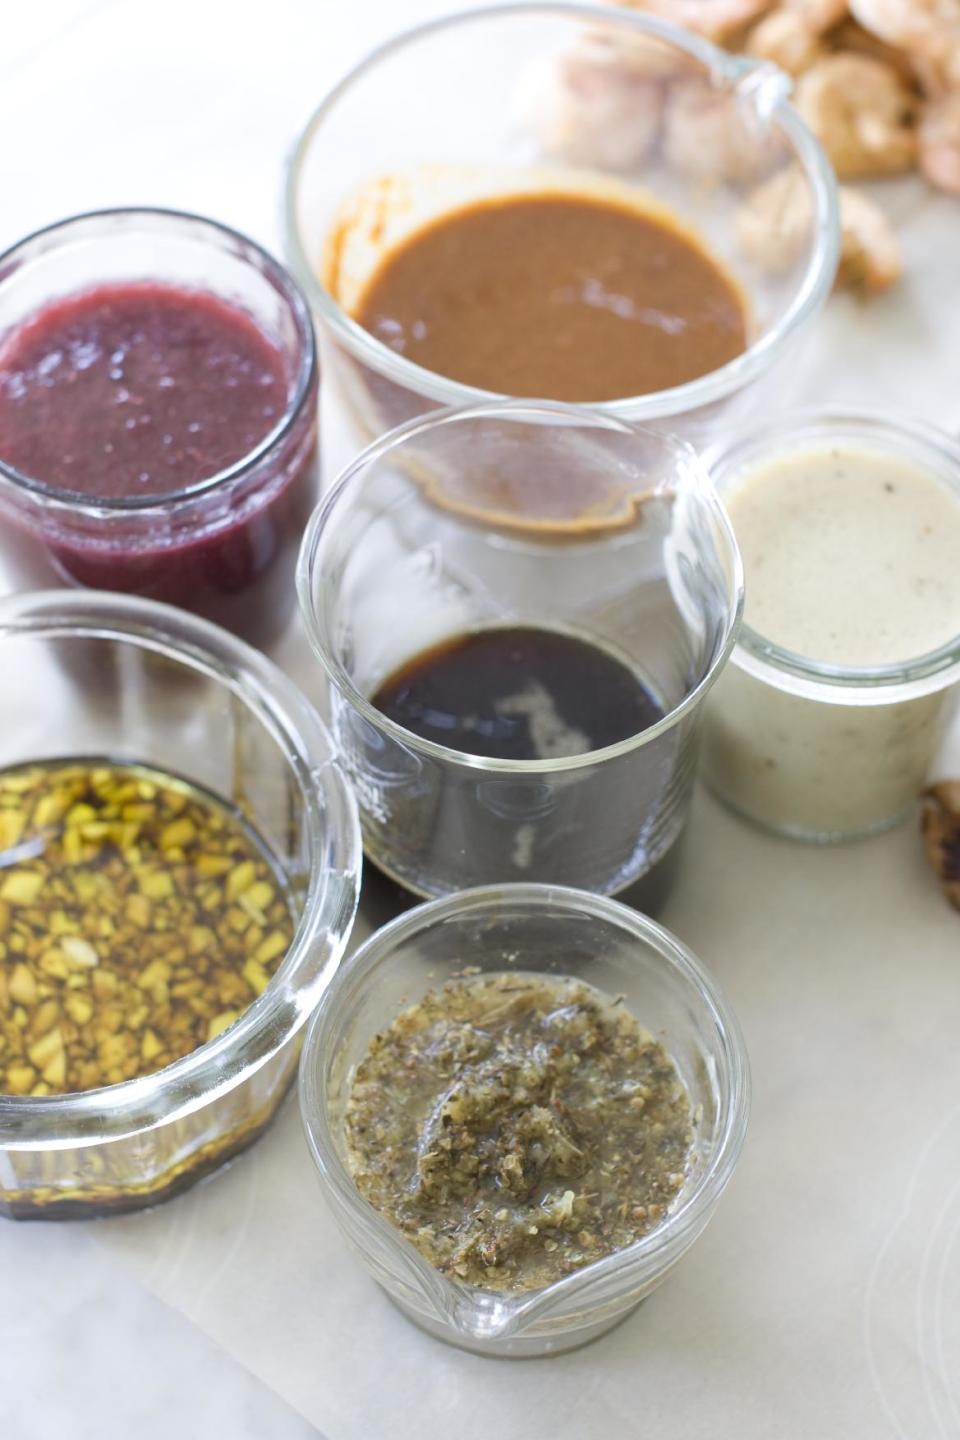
[928,30]
[850,36]
[935,57]
[784,38]
[818,15]
[714,19]
[870,258]
[592,106]
[646,56]
[862,113]
[710,134]
[939,142]
[773,228]
[773,223]
[900,22]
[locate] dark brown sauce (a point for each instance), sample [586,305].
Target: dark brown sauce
[560,297]
[518,693]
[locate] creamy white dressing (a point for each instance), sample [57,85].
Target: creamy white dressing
[851,556]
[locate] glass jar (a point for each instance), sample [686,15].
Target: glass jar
[107,675]
[371,167]
[828,752]
[224,546]
[531,515]
[550,931]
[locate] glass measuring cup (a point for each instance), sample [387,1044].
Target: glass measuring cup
[556,96]
[544,929]
[538,515]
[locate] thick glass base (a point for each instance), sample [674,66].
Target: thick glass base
[383,898]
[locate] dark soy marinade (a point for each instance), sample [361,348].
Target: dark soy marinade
[516,1127]
[518,693]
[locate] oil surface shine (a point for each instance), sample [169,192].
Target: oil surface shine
[566,297]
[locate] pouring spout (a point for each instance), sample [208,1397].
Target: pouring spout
[484,1317]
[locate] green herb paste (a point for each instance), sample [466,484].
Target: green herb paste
[516,1127]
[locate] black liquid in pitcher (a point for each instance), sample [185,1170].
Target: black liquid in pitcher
[518,693]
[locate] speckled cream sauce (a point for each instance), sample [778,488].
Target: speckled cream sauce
[851,556]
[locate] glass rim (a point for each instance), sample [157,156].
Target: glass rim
[679,399]
[928,671]
[304,380]
[111,1112]
[533,410]
[679,1228]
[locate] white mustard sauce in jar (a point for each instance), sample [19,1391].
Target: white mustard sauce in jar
[850,553]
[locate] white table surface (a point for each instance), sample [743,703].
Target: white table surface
[193,103]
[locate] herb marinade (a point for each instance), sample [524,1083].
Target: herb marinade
[516,1127]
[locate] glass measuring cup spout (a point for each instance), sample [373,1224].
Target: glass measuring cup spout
[495,1323]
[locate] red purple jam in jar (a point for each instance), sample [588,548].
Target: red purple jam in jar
[136,389]
[158,437]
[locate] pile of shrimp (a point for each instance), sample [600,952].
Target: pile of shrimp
[878,82]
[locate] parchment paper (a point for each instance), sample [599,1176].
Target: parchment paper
[824,1299]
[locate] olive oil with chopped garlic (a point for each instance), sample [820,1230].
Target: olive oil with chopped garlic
[139,917]
[516,1127]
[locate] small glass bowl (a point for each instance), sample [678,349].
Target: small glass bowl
[824,752]
[549,930]
[223,547]
[415,104]
[99,674]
